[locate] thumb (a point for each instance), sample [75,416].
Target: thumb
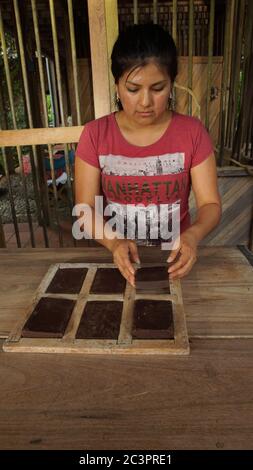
[134,252]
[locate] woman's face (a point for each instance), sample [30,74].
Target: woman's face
[144,93]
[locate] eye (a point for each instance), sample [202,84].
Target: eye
[132,91]
[158,89]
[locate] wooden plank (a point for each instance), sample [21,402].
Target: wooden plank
[77,313]
[203,401]
[99,57]
[41,136]
[125,336]
[229,171]
[112,31]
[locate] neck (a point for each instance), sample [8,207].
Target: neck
[129,123]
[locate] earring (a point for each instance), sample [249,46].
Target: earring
[171,101]
[117,99]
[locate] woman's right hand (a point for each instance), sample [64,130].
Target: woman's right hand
[122,251]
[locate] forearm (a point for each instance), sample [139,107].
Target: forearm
[208,216]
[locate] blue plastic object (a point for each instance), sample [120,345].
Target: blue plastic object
[60,162]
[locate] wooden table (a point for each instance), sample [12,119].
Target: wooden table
[204,401]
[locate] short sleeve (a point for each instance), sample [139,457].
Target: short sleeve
[87,145]
[202,145]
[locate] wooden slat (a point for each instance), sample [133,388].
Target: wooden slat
[40,136]
[99,62]
[112,31]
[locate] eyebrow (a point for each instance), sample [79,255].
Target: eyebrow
[153,84]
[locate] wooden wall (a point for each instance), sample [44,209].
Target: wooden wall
[200,68]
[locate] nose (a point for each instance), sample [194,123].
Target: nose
[146,99]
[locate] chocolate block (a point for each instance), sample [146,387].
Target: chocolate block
[108,281]
[154,280]
[100,320]
[153,319]
[67,281]
[49,319]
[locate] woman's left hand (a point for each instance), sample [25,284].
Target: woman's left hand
[188,256]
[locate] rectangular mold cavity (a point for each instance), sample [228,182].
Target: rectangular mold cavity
[108,281]
[153,319]
[67,281]
[100,320]
[152,280]
[49,318]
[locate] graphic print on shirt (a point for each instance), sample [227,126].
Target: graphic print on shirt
[145,181]
[166,164]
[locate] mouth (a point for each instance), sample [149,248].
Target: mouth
[145,113]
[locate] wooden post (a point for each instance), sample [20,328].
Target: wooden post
[99,53]
[112,31]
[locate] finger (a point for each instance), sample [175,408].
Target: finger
[127,268]
[184,258]
[134,253]
[183,271]
[124,261]
[128,265]
[173,255]
[125,273]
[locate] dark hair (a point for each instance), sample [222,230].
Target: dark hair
[138,44]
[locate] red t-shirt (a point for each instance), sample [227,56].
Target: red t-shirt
[155,174]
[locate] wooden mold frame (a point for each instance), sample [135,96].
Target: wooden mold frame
[124,344]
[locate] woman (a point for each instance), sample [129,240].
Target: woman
[145,153]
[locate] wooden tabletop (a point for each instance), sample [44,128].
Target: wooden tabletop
[204,401]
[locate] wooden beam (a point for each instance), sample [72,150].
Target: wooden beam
[99,57]
[112,31]
[40,136]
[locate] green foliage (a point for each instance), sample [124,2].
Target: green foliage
[50,111]
[16,81]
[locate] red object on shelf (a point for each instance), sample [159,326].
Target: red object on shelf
[26,164]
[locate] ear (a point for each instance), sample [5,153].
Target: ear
[117,89]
